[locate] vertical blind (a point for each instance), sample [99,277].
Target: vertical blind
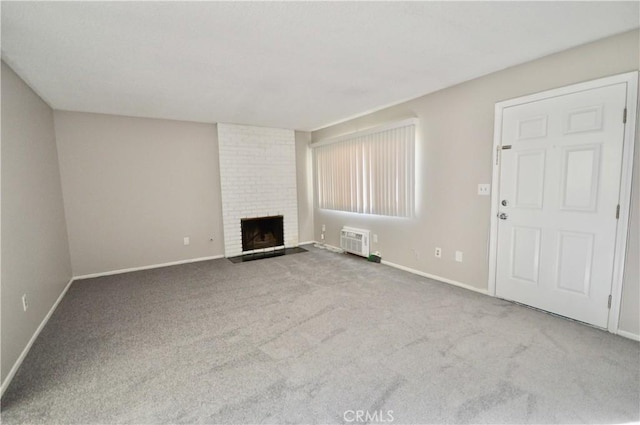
[368,173]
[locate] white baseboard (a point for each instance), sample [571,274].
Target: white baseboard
[418,272]
[434,277]
[306,243]
[330,247]
[152,266]
[629,335]
[16,365]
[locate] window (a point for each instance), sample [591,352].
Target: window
[369,172]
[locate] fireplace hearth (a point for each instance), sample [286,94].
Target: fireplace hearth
[262,232]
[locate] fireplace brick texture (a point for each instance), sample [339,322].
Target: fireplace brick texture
[258,179]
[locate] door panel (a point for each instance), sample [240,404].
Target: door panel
[580,177]
[532,128]
[560,182]
[584,119]
[575,255]
[525,254]
[529,179]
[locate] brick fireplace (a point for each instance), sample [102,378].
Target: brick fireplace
[258,179]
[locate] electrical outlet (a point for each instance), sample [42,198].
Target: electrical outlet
[186,240]
[25,305]
[438,253]
[459,256]
[322,237]
[484,189]
[375,238]
[324,228]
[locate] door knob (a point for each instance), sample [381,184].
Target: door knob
[503,216]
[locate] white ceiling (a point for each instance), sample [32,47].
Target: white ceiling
[299,65]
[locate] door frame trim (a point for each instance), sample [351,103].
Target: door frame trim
[622,230]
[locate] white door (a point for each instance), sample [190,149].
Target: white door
[559,191]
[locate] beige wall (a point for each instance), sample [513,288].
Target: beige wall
[304,185]
[134,187]
[454,155]
[35,252]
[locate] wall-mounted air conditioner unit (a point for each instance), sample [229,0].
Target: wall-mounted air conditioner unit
[355,241]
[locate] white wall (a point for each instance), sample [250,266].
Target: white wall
[258,179]
[35,252]
[630,308]
[134,187]
[304,186]
[454,153]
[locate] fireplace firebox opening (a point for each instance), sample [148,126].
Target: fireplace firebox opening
[262,232]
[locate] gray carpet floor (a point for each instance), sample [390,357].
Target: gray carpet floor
[313,338]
